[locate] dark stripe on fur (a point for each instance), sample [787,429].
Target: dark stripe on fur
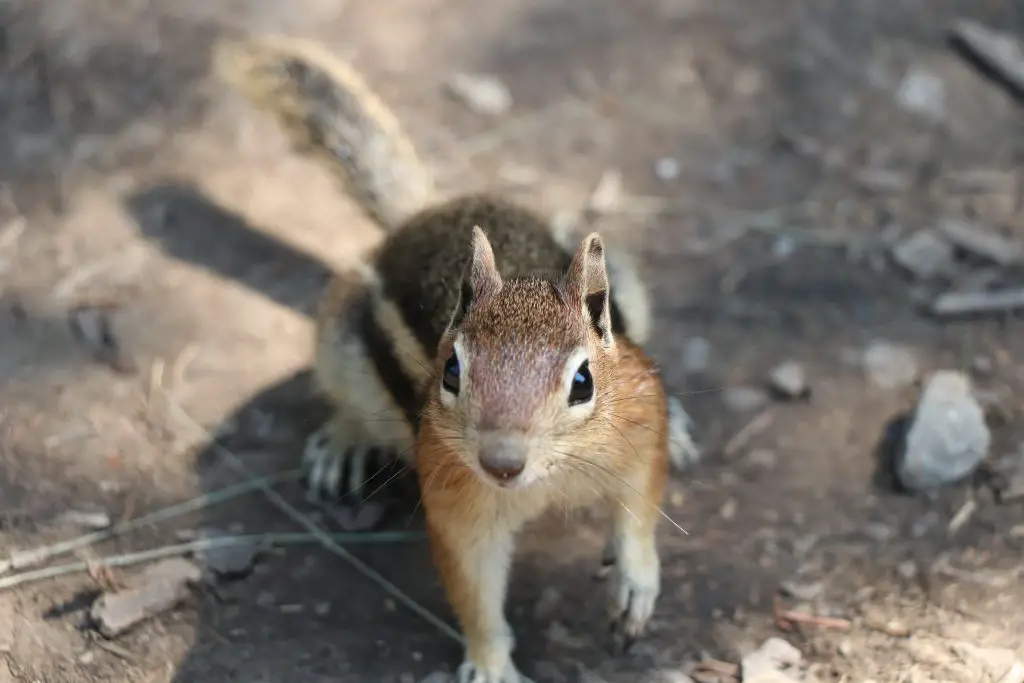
[382,354]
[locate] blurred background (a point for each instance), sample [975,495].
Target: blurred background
[826,203]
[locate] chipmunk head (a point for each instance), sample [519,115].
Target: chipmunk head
[523,366]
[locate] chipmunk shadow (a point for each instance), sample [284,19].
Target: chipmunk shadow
[191,227]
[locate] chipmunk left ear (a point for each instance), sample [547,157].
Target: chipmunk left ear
[587,283]
[481,279]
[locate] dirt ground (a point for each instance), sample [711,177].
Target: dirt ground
[130,179]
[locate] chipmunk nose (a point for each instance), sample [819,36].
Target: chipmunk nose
[502,456]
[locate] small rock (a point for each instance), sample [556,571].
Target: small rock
[922,92]
[889,366]
[322,609]
[87,657]
[667,169]
[925,254]
[773,662]
[229,561]
[159,588]
[483,94]
[789,380]
[744,399]
[728,509]
[948,437]
[696,356]
[89,519]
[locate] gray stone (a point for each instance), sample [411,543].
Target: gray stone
[667,169]
[483,94]
[771,663]
[159,588]
[889,365]
[923,93]
[948,436]
[925,254]
[789,380]
[696,356]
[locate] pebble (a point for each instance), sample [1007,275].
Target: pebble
[771,663]
[482,93]
[696,356]
[744,399]
[87,657]
[667,169]
[948,436]
[227,561]
[922,92]
[889,365]
[789,380]
[925,254]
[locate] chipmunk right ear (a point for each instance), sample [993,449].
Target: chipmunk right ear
[481,279]
[587,283]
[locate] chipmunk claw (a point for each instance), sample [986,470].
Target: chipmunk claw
[331,471]
[633,600]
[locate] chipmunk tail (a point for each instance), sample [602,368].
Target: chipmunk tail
[330,113]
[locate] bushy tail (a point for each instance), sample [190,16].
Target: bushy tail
[329,111]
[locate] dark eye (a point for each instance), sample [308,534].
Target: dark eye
[450,377]
[582,389]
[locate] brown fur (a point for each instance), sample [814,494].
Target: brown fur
[618,453]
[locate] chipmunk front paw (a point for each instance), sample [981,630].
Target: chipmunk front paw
[634,593]
[334,470]
[470,672]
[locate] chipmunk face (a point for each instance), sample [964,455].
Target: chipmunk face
[523,366]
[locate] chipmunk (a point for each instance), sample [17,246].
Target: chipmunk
[498,357]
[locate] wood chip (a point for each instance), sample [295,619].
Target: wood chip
[789,620]
[159,588]
[998,51]
[954,304]
[982,242]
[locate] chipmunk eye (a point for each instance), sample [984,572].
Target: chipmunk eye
[450,376]
[582,389]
